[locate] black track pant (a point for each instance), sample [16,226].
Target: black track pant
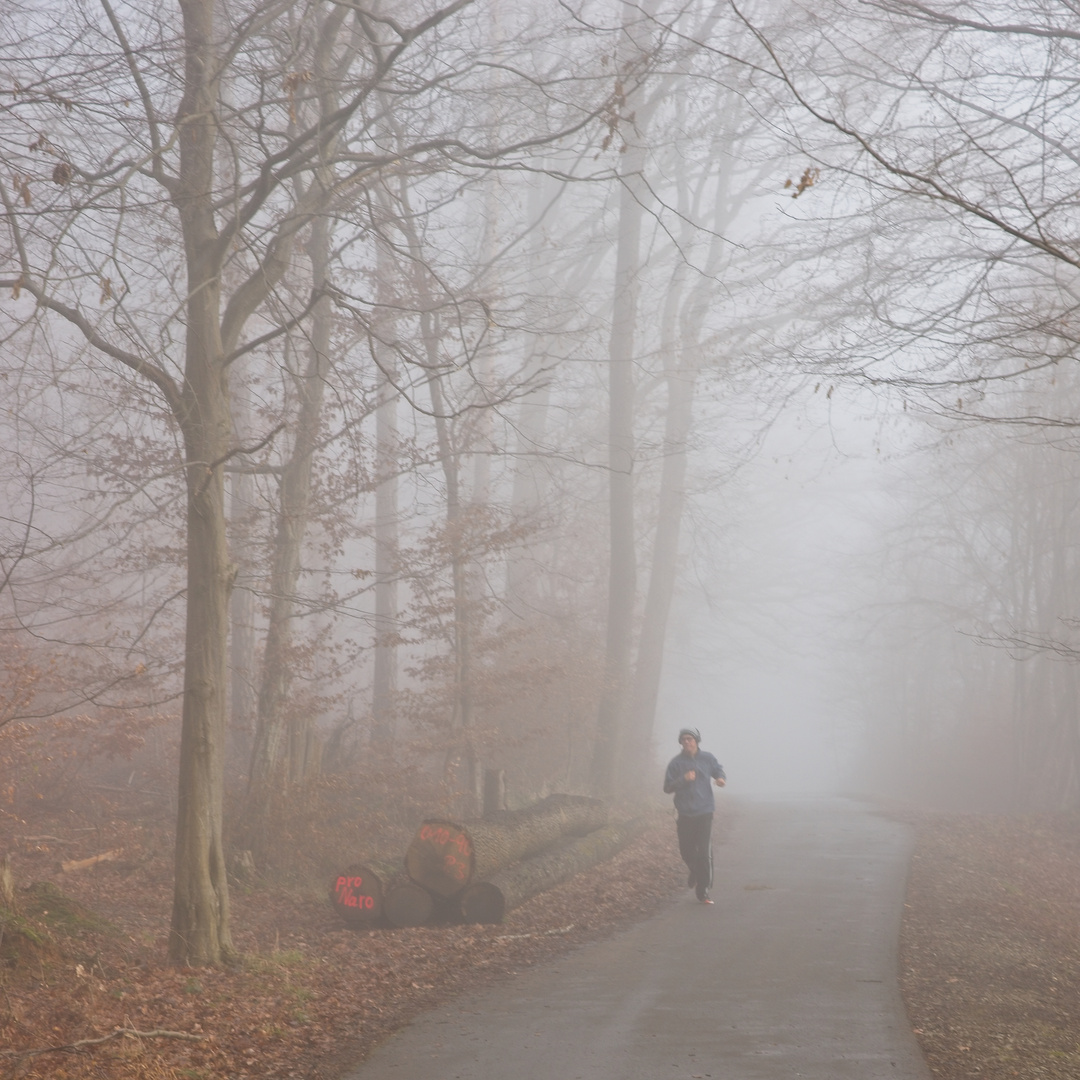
[695,847]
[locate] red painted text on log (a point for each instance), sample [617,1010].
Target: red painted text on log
[440,836]
[347,898]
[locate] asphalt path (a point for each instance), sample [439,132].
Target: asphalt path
[791,974]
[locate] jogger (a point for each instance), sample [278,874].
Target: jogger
[687,777]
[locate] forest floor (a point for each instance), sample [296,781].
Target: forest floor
[990,946]
[990,956]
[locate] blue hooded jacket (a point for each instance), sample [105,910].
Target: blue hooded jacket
[693,797]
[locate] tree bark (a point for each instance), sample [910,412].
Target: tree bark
[489,901]
[242,666]
[650,656]
[494,792]
[622,566]
[384,675]
[461,767]
[446,856]
[622,569]
[200,920]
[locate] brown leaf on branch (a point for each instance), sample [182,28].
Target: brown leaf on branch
[292,81]
[22,187]
[808,179]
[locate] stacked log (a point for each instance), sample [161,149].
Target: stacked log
[489,901]
[357,896]
[446,856]
[408,904]
[440,857]
[478,870]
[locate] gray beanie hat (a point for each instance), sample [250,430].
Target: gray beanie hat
[690,731]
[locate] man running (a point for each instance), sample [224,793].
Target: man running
[688,775]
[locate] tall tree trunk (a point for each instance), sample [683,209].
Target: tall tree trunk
[387,465]
[200,918]
[462,765]
[279,752]
[242,667]
[526,495]
[665,561]
[682,323]
[682,326]
[622,569]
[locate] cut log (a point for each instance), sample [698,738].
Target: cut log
[483,902]
[408,904]
[357,896]
[489,901]
[445,856]
[440,857]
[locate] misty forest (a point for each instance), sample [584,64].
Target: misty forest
[411,405]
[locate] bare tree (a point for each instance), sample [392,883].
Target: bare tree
[170,132]
[957,126]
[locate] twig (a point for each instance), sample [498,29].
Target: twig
[120,1032]
[83,864]
[543,933]
[125,790]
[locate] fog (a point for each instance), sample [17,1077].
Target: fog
[762,655]
[506,386]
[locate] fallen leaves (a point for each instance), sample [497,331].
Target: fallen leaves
[309,998]
[990,946]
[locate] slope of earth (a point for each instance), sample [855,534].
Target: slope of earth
[990,946]
[990,953]
[84,991]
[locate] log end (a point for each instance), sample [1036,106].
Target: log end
[483,903]
[440,857]
[357,895]
[408,904]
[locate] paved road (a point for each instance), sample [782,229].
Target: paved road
[791,974]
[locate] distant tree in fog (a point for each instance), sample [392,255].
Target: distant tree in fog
[694,158]
[970,681]
[950,132]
